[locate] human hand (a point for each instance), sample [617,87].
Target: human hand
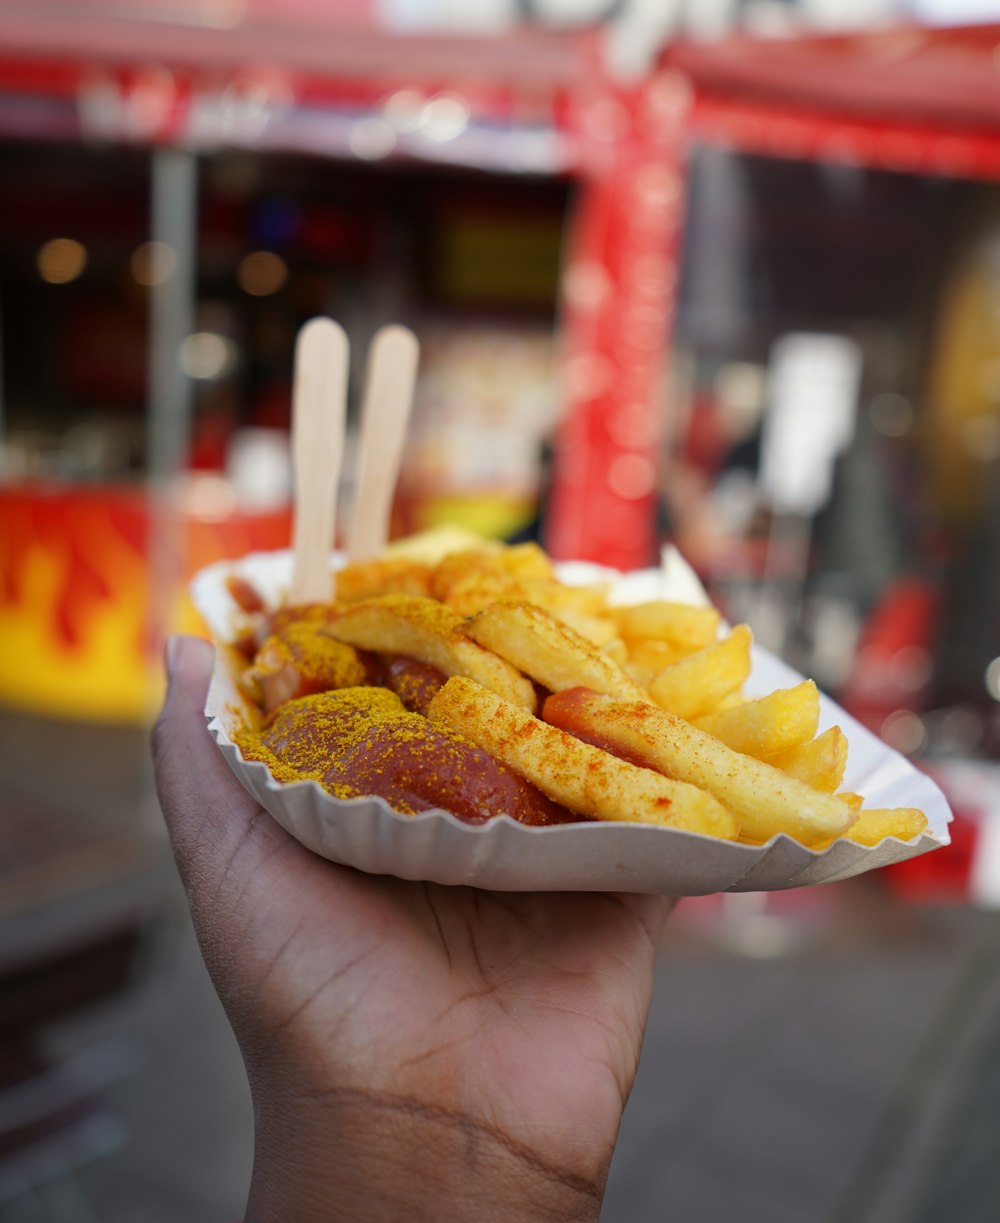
[414,1051]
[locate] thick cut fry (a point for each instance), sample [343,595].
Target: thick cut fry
[764,800]
[384,575]
[574,774]
[434,544]
[696,684]
[653,656]
[479,590]
[769,724]
[820,763]
[616,651]
[430,632]
[526,560]
[877,823]
[549,651]
[598,630]
[681,625]
[489,567]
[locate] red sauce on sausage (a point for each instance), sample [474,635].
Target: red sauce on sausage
[362,741]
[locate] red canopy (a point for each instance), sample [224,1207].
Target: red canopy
[907,98]
[907,72]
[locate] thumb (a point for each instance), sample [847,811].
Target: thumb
[206,809]
[189,662]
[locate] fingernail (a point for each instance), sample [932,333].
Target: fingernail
[171,651]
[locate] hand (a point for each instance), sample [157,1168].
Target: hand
[414,1051]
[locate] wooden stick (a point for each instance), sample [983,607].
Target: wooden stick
[319,401]
[389,382]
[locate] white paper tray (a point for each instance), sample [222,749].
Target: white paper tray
[504,855]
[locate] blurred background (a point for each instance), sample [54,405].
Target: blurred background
[720,273]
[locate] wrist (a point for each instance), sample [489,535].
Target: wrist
[357,1155]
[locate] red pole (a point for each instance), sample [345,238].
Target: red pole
[618,301]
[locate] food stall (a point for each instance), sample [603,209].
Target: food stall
[537,106]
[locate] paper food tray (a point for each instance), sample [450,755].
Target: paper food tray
[504,855]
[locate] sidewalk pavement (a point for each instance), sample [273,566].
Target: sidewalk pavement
[851,1080]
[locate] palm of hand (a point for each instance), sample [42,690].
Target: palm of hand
[512,1012]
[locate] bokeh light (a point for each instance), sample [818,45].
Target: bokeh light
[206,355]
[61,260]
[905,731]
[261,273]
[152,263]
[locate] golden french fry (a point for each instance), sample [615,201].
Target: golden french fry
[616,651]
[490,567]
[430,632]
[598,630]
[582,609]
[679,624]
[877,823]
[764,800]
[383,575]
[526,560]
[581,777]
[435,543]
[854,801]
[874,825]
[478,591]
[557,597]
[696,684]
[552,653]
[653,656]
[768,724]
[820,763]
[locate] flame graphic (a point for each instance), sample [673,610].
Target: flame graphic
[75,636]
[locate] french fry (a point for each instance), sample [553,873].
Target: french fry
[696,684]
[872,826]
[877,823]
[764,800]
[653,656]
[616,651]
[526,560]
[430,632]
[583,778]
[681,625]
[769,724]
[552,653]
[383,575]
[489,566]
[820,763]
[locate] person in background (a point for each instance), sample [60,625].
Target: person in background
[414,1051]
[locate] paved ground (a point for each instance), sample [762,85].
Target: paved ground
[834,1058]
[853,1080]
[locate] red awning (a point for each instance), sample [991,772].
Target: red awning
[907,73]
[337,41]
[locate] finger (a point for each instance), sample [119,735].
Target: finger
[210,817]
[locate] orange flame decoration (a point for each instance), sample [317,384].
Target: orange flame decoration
[75,637]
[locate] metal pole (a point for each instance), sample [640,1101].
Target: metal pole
[173,226]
